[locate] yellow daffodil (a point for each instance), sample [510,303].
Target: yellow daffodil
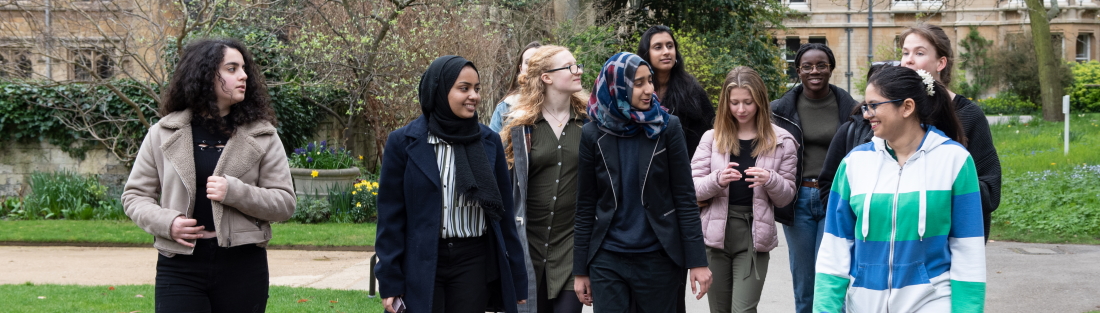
[353,192]
[358,204]
[314,174]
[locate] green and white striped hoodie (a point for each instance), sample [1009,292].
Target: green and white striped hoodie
[903,238]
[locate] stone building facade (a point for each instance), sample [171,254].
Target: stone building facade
[843,25]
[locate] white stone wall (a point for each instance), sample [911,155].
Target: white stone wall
[19,160]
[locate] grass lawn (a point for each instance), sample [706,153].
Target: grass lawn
[1047,196]
[139,298]
[328,234]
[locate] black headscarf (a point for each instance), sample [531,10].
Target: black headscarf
[473,173]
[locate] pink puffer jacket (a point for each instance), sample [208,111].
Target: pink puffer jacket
[778,191]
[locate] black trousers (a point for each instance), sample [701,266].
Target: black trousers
[462,273]
[213,279]
[650,281]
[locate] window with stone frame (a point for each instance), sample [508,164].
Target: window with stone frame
[93,63]
[1084,47]
[791,45]
[16,63]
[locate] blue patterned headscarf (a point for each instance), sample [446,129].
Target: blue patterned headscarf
[610,107]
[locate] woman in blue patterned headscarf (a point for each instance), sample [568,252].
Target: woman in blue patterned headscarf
[637,223]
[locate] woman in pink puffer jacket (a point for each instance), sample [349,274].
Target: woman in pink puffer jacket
[737,214]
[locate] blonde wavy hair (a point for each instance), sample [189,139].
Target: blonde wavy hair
[532,97]
[726,126]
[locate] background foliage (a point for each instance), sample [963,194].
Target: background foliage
[1015,65]
[1084,94]
[729,33]
[974,59]
[64,195]
[1044,194]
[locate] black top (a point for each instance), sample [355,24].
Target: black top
[740,193]
[208,149]
[701,118]
[980,145]
[630,232]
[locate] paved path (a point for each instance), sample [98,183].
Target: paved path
[1022,277]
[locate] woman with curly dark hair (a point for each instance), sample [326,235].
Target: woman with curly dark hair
[209,178]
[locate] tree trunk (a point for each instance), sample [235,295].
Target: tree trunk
[1048,76]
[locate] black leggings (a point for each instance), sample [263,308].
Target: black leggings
[213,279]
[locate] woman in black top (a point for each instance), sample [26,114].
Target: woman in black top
[926,47]
[677,90]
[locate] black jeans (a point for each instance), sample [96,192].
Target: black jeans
[649,280]
[461,275]
[213,279]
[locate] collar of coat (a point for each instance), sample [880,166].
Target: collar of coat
[181,119]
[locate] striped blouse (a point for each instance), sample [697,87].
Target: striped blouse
[465,220]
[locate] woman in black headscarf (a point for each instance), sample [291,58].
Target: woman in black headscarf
[443,190]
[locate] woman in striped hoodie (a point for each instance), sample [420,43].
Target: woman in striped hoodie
[903,231]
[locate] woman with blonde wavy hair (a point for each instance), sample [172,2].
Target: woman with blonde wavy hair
[541,142]
[742,169]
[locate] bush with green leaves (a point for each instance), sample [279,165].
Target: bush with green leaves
[1016,66]
[1008,103]
[311,210]
[71,196]
[1084,95]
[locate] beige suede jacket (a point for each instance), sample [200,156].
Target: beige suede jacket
[162,184]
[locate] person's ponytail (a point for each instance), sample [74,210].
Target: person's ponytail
[943,114]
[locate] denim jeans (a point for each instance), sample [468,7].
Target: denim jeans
[803,239]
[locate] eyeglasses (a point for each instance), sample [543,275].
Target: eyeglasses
[821,67]
[573,69]
[869,108]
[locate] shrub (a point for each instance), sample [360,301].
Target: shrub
[12,208]
[67,195]
[1015,63]
[1008,103]
[311,210]
[322,157]
[1083,98]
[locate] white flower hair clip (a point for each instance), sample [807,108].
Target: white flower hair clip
[928,81]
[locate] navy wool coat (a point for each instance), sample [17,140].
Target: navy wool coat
[410,202]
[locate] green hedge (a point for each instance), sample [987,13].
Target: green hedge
[1082,98]
[32,111]
[1008,103]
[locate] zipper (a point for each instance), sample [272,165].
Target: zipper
[611,179]
[647,167]
[893,237]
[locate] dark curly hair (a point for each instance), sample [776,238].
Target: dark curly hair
[192,87]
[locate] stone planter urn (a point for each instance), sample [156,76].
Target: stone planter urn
[307,185]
